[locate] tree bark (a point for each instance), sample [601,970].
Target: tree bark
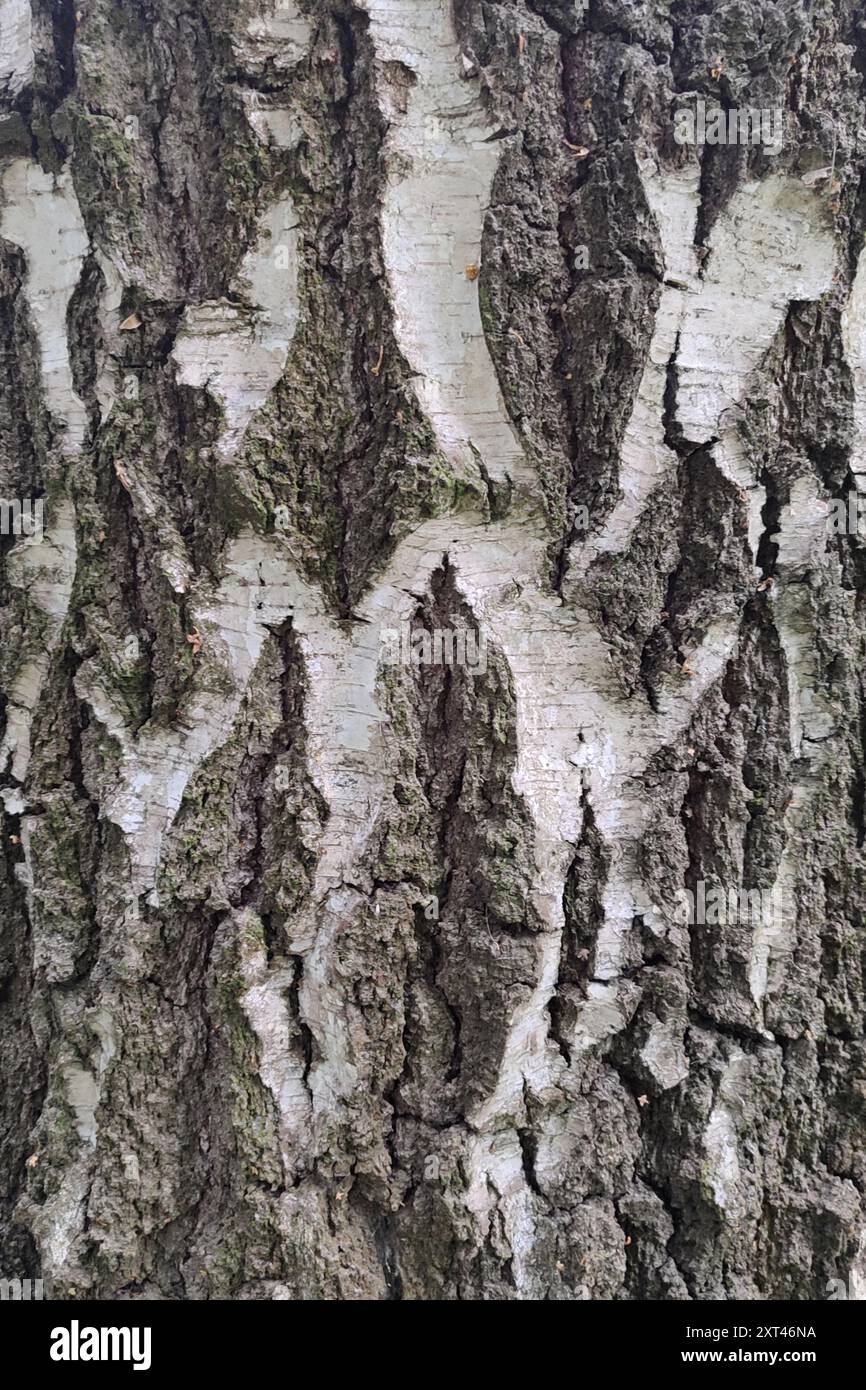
[440,635]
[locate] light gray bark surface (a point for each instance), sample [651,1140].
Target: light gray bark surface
[328,976]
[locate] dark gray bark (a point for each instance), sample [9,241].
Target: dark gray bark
[334,977]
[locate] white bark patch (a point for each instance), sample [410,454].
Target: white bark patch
[575,733]
[16,46]
[57,1222]
[441,160]
[857,1276]
[109,314]
[265,1004]
[261,589]
[41,215]
[802,544]
[272,32]
[82,1094]
[497,1190]
[156,765]
[172,557]
[854,344]
[646,459]
[274,125]
[770,246]
[238,353]
[721,1138]
[720,1142]
[664,1056]
[574,730]
[285,44]
[726,323]
[43,572]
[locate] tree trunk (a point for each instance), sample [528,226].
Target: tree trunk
[434,718]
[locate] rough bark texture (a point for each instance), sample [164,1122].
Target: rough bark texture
[327,977]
